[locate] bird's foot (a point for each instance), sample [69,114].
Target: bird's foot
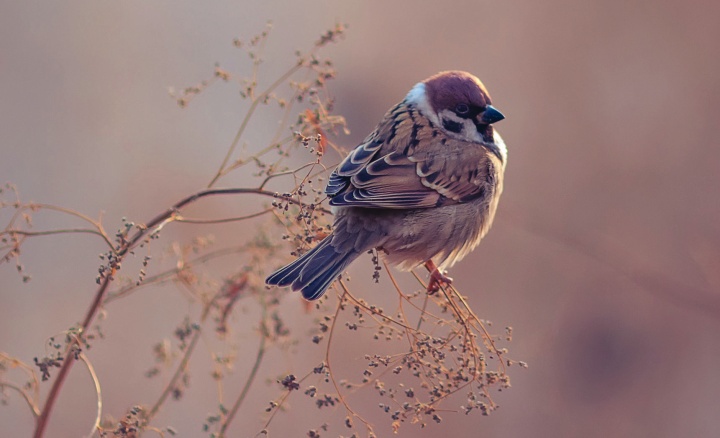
[437,278]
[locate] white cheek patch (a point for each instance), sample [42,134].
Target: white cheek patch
[472,129]
[460,128]
[418,97]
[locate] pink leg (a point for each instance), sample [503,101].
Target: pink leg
[437,278]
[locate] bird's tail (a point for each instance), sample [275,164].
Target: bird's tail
[314,271]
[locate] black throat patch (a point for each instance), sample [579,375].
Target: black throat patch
[452,126]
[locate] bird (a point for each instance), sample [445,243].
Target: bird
[422,188]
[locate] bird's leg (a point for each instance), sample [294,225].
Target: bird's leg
[436,277]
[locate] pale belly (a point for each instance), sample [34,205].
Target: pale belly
[408,238]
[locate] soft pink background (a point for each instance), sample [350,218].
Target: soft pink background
[614,169]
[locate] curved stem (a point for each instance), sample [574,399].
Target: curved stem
[225,220]
[42,420]
[37,206]
[158,220]
[253,106]
[331,332]
[98,391]
[178,373]
[25,395]
[50,232]
[171,273]
[253,373]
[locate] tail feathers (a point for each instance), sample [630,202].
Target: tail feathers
[314,271]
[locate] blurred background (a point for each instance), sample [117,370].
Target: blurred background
[604,257]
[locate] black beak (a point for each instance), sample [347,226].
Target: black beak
[491,115]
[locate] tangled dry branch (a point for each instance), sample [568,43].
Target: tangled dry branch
[443,357]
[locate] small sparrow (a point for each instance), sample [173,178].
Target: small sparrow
[423,187]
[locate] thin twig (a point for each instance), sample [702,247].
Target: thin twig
[31,404]
[171,273]
[51,232]
[264,334]
[38,206]
[34,384]
[251,111]
[224,220]
[331,332]
[280,403]
[98,391]
[42,420]
[182,366]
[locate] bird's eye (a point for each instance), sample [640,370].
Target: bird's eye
[462,109]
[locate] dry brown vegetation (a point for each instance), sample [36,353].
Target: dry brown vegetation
[434,356]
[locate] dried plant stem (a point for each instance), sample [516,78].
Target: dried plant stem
[251,111]
[253,372]
[374,312]
[36,206]
[225,220]
[480,326]
[172,273]
[472,318]
[294,171]
[178,373]
[98,392]
[51,232]
[44,416]
[158,221]
[280,403]
[25,396]
[349,410]
[35,385]
[246,388]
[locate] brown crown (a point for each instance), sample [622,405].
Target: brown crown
[446,89]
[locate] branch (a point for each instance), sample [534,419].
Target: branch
[96,382]
[253,106]
[25,396]
[253,372]
[155,224]
[178,373]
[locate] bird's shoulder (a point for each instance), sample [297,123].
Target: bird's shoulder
[408,161]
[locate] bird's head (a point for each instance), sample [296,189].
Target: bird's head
[459,104]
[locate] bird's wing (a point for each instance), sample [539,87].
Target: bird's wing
[390,181]
[410,164]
